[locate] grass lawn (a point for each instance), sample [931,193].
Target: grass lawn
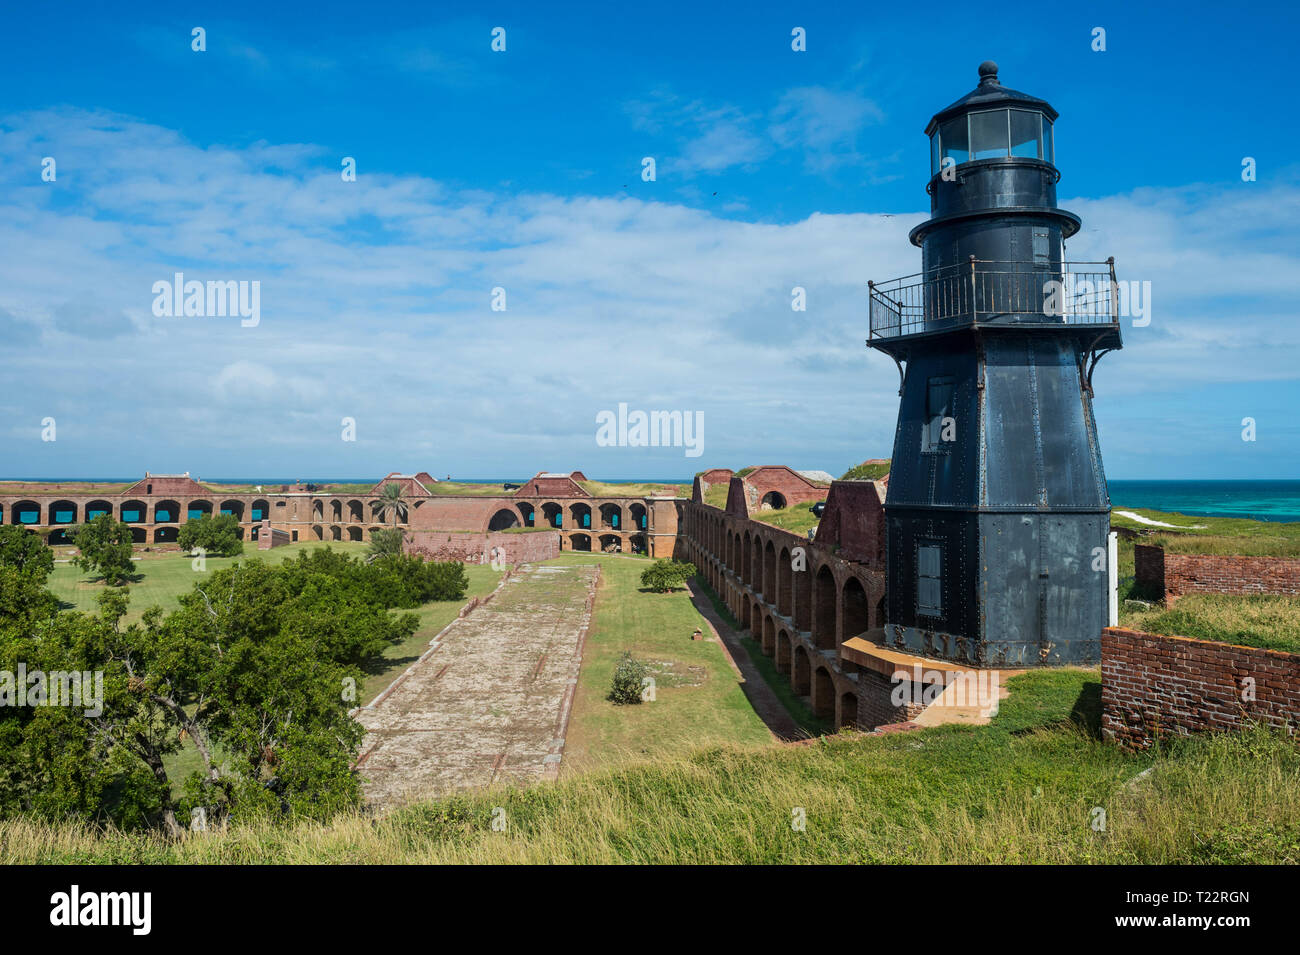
[1215,535]
[164,577]
[698,696]
[797,518]
[1024,789]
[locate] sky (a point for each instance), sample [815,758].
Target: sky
[376,346]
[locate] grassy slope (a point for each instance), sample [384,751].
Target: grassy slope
[1023,789]
[797,518]
[1257,621]
[654,627]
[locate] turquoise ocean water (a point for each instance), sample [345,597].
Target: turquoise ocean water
[1257,500]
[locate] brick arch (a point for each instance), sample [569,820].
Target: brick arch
[747,562]
[769,572]
[784,584]
[527,513]
[803,597]
[846,713]
[825,605]
[168,511]
[855,611]
[62,512]
[801,671]
[580,542]
[769,635]
[783,646]
[757,581]
[823,693]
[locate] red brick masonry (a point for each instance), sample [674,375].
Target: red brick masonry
[516,548]
[1154,685]
[1178,574]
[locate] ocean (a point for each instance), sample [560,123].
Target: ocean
[1257,500]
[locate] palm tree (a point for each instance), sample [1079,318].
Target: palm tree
[391,502]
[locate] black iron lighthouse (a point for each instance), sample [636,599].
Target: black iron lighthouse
[997,514]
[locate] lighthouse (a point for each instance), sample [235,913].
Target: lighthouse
[997,514]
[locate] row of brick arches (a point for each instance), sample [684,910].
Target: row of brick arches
[799,603]
[576,516]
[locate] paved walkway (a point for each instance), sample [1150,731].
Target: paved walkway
[491,702]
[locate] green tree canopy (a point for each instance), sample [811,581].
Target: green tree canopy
[105,546]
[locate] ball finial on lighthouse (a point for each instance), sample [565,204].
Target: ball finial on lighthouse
[988,73]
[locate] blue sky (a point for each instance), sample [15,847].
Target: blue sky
[521,170]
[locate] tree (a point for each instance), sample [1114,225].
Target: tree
[25,565]
[665,575]
[391,502]
[385,542]
[216,535]
[105,546]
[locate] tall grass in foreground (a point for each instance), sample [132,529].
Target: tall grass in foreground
[1023,789]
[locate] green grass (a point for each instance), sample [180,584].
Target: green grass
[706,704]
[1256,621]
[867,471]
[715,495]
[797,518]
[1217,535]
[635,489]
[165,576]
[1024,789]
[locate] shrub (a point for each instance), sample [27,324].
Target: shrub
[628,677]
[665,575]
[105,546]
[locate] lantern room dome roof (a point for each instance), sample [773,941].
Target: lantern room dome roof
[990,94]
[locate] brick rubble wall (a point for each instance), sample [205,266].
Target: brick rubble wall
[1154,685]
[1174,575]
[473,548]
[875,704]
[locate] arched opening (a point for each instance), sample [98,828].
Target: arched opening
[824,600]
[640,518]
[261,510]
[526,513]
[854,613]
[848,714]
[783,652]
[336,532]
[610,544]
[803,580]
[336,512]
[236,509]
[165,535]
[133,512]
[57,537]
[757,582]
[317,532]
[638,543]
[800,678]
[784,584]
[769,573]
[772,501]
[63,512]
[581,514]
[254,532]
[167,512]
[355,533]
[580,542]
[356,510]
[744,613]
[95,508]
[769,636]
[553,514]
[198,509]
[611,515]
[318,511]
[137,535]
[823,695]
[747,562]
[502,519]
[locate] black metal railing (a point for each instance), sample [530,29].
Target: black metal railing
[987,292]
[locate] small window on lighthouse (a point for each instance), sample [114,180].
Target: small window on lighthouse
[940,427]
[929,580]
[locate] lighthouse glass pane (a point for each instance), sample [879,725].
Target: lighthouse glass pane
[952,136]
[1049,148]
[988,134]
[934,153]
[1026,134]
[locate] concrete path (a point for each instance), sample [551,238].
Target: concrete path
[491,702]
